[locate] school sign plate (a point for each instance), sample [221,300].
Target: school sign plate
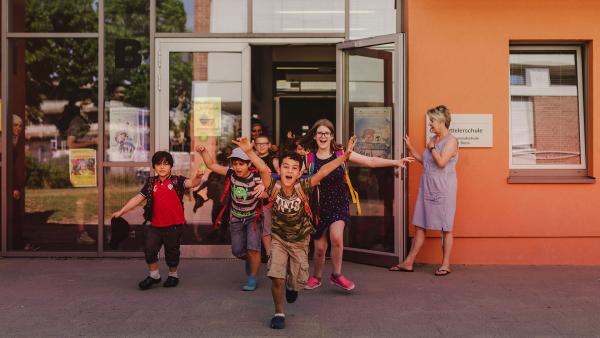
[471,130]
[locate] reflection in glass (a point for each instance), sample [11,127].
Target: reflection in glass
[372,18]
[545,110]
[292,16]
[127,63]
[201,16]
[371,114]
[53,15]
[205,91]
[56,99]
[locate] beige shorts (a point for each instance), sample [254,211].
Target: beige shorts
[291,259]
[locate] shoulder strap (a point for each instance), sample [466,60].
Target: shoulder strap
[310,162]
[303,197]
[227,186]
[275,191]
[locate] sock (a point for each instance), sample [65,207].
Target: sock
[336,275]
[173,274]
[279,315]
[155,274]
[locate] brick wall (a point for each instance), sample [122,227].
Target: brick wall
[556,120]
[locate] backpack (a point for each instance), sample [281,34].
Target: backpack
[310,165]
[150,182]
[225,200]
[298,190]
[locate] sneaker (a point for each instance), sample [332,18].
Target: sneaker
[278,322]
[251,284]
[312,283]
[84,238]
[342,282]
[148,282]
[171,282]
[291,295]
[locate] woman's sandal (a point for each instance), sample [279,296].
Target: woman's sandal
[442,272]
[400,268]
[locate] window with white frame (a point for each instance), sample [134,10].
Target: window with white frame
[547,121]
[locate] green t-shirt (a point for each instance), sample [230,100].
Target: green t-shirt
[291,222]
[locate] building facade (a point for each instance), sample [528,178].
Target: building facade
[92,89]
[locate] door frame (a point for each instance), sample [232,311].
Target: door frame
[399,104]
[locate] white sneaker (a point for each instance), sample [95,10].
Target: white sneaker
[84,238]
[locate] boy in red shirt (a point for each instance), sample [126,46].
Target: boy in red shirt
[163,194]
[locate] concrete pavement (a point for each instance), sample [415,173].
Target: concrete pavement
[99,297]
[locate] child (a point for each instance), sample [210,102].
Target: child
[291,222]
[164,209]
[262,145]
[244,224]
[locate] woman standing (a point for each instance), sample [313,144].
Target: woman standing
[333,201]
[436,202]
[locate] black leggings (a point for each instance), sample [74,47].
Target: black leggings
[170,237]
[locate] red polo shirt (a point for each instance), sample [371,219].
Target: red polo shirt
[166,209]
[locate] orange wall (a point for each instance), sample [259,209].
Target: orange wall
[458,54]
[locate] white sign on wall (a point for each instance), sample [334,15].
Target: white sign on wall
[471,130]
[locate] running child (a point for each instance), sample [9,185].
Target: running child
[244,188]
[163,194]
[292,223]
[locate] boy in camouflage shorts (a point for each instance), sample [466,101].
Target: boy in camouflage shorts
[292,223]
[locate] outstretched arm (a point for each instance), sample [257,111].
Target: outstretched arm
[263,169]
[210,163]
[131,204]
[190,183]
[377,162]
[331,166]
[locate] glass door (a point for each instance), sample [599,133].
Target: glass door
[370,105]
[203,96]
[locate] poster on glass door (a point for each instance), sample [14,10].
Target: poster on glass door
[207,116]
[373,129]
[125,133]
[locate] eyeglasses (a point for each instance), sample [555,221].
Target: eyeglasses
[323,133]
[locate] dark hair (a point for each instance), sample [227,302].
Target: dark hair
[162,156]
[292,155]
[308,141]
[231,159]
[263,136]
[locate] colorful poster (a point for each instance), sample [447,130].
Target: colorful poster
[373,129]
[125,133]
[82,167]
[207,116]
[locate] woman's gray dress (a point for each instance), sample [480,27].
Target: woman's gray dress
[436,202]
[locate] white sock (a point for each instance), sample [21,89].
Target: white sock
[173,274]
[279,315]
[155,274]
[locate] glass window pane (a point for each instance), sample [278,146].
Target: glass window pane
[202,16]
[127,74]
[371,114]
[53,15]
[54,92]
[121,184]
[545,109]
[292,16]
[372,18]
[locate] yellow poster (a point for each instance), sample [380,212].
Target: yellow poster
[82,167]
[207,116]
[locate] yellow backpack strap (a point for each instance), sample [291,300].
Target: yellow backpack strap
[353,192]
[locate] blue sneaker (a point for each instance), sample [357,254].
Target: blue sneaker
[251,284]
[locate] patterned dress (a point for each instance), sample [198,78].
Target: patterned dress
[436,202]
[333,197]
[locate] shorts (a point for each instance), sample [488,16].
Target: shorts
[267,221]
[170,237]
[245,235]
[291,259]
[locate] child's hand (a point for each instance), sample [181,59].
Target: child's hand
[258,190]
[403,161]
[117,214]
[200,148]
[199,174]
[350,147]
[244,144]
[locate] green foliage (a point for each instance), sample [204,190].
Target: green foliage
[170,16]
[53,174]
[61,15]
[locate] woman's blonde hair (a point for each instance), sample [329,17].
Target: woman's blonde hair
[440,113]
